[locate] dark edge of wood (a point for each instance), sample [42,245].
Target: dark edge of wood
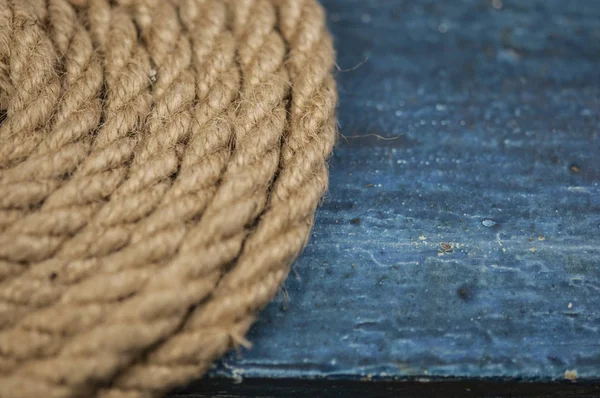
[272,388]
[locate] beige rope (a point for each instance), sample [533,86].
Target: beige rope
[160,166]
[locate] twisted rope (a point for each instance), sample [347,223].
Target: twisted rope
[160,166]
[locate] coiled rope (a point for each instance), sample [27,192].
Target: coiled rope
[160,166]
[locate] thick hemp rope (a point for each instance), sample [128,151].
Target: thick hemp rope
[160,166]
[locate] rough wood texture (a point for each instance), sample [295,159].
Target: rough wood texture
[466,243]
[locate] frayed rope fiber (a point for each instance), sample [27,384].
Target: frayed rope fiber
[160,166]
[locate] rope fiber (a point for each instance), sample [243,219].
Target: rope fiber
[160,166]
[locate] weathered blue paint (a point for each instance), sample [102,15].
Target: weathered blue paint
[489,114]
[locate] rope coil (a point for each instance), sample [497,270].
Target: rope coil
[160,166]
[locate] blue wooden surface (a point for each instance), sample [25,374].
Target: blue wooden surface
[491,111]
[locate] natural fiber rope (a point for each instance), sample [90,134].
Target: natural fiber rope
[160,165]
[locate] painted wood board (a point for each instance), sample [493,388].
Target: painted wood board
[460,238]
